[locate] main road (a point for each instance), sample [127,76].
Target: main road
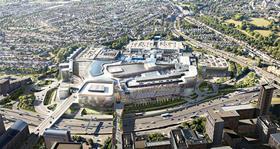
[158,122]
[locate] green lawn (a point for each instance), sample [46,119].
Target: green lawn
[236,23]
[260,22]
[264,33]
[49,95]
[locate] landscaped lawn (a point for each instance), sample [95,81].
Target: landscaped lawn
[260,22]
[264,33]
[234,22]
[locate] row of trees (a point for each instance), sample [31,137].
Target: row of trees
[270,43]
[198,124]
[26,102]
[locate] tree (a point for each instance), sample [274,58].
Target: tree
[155,137]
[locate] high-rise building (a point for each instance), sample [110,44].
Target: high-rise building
[56,135]
[214,127]
[265,127]
[2,126]
[15,135]
[265,97]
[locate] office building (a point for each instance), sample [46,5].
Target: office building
[56,135]
[2,126]
[214,127]
[15,135]
[274,141]
[265,127]
[265,97]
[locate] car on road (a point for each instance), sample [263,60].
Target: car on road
[166,115]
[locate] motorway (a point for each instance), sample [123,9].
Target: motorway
[157,122]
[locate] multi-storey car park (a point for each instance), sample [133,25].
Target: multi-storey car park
[145,70]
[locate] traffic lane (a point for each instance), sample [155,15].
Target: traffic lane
[185,114]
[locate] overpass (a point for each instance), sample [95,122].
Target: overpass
[55,115]
[48,122]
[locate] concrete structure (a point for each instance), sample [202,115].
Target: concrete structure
[230,118]
[232,139]
[214,127]
[186,139]
[64,145]
[97,94]
[145,70]
[274,141]
[64,71]
[2,126]
[165,144]
[265,127]
[128,141]
[4,86]
[15,135]
[56,135]
[245,111]
[141,46]
[264,101]
[9,84]
[63,91]
[213,66]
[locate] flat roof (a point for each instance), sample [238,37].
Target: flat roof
[238,107]
[228,114]
[213,61]
[215,116]
[157,143]
[97,88]
[150,44]
[51,131]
